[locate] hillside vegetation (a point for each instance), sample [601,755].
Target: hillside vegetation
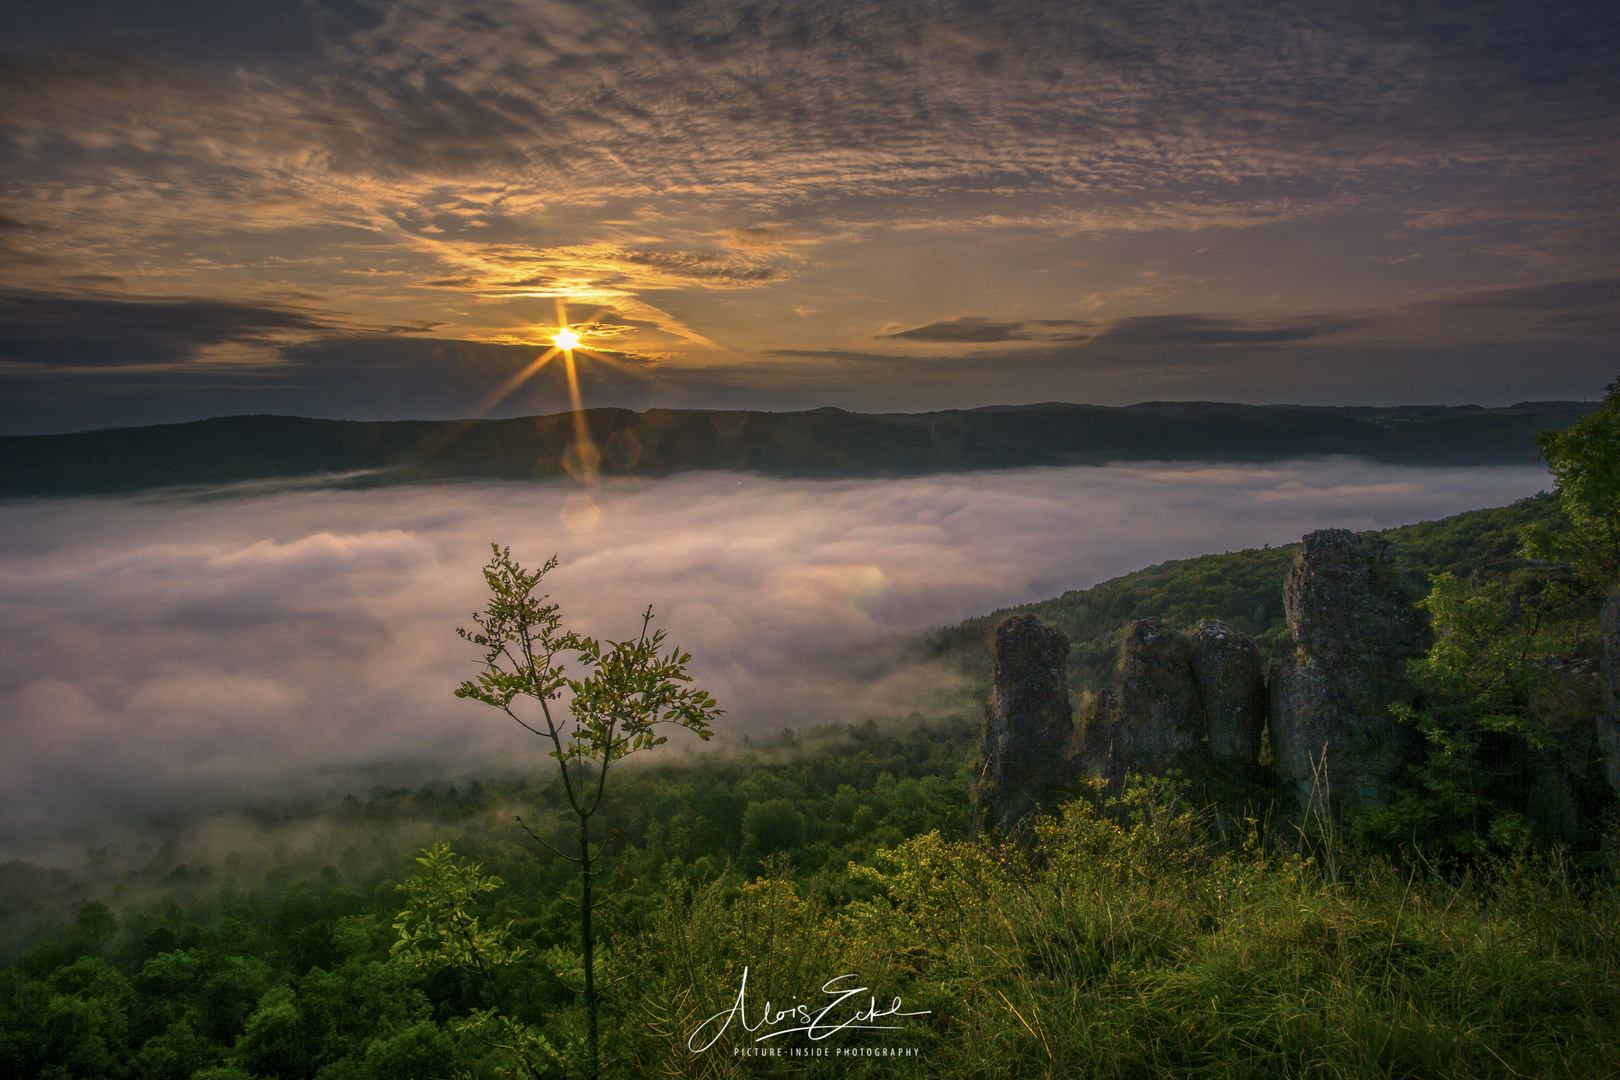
[1142,938]
[1147,935]
[1244,588]
[1157,929]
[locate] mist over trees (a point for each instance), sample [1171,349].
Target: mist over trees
[1178,926]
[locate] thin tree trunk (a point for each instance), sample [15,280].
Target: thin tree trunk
[592,1061]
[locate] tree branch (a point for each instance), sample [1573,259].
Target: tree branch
[533,836]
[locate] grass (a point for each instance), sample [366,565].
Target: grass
[1126,939]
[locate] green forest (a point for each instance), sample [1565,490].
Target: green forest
[1178,927]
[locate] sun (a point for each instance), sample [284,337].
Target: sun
[583,458]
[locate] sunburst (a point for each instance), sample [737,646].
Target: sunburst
[583,459]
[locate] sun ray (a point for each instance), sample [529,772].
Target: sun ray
[585,457]
[516,381]
[573,386]
[618,365]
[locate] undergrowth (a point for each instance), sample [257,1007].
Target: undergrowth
[1124,938]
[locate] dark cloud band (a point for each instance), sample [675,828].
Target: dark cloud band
[58,332]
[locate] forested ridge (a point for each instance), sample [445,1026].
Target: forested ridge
[820,443]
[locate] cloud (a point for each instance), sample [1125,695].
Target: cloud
[1157,331]
[1595,296]
[705,169]
[1145,292]
[1481,346]
[168,656]
[1141,331]
[62,331]
[687,266]
[426,133]
[416,326]
[178,373]
[1549,310]
[1444,336]
[1563,315]
[767,237]
[175,30]
[1191,331]
[973,329]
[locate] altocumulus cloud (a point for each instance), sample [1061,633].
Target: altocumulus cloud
[445,133]
[170,656]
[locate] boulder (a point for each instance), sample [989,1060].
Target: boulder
[1027,727]
[1356,630]
[1231,685]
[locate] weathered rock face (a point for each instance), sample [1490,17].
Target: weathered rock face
[1608,720]
[1181,701]
[1027,726]
[1095,755]
[1356,630]
[1344,599]
[1231,685]
[1160,723]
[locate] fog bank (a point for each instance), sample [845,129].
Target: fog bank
[171,654]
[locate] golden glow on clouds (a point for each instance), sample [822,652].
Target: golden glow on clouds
[730,190]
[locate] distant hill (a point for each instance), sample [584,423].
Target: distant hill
[820,443]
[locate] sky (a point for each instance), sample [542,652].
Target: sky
[169,656]
[361,209]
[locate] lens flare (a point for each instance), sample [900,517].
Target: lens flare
[582,460]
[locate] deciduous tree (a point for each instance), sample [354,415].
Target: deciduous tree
[620,695]
[1585,463]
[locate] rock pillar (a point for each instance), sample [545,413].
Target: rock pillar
[1027,726]
[1356,630]
[1160,723]
[1231,684]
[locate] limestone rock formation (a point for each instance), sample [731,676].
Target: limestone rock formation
[1180,702]
[1355,629]
[1608,720]
[1027,726]
[1231,684]
[1096,755]
[1160,724]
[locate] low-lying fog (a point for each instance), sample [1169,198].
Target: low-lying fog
[164,655]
